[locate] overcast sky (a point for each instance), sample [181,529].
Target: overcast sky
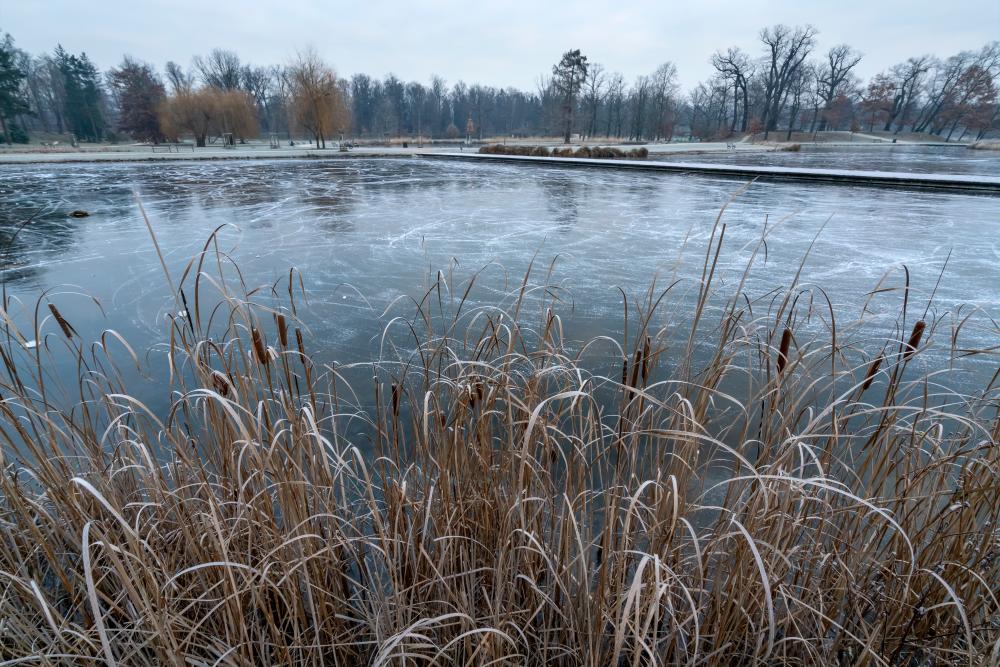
[498,43]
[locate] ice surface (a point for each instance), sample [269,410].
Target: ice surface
[363,232]
[944,159]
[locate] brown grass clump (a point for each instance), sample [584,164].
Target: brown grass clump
[985,145]
[607,153]
[791,148]
[596,152]
[500,149]
[498,495]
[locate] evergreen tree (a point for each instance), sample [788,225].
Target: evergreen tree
[12,99]
[83,97]
[568,77]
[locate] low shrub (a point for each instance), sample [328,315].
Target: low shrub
[500,149]
[597,152]
[606,153]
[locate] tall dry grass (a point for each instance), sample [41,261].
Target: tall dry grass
[741,491]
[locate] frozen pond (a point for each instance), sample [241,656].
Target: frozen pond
[383,225]
[879,157]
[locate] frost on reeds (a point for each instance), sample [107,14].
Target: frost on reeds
[753,487]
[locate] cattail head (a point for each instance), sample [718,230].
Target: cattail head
[300,343]
[645,360]
[279,321]
[786,343]
[259,348]
[63,324]
[914,342]
[219,383]
[872,370]
[636,365]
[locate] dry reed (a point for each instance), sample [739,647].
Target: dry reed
[505,498]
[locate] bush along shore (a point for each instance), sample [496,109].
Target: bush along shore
[596,152]
[747,484]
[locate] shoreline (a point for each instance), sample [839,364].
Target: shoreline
[986,185]
[84,157]
[658,161]
[145,154]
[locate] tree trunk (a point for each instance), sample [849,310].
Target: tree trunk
[199,140]
[746,107]
[6,130]
[954,126]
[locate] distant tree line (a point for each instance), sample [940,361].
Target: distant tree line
[790,89]
[777,87]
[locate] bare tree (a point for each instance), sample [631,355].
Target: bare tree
[615,102]
[834,75]
[786,50]
[709,107]
[220,69]
[798,91]
[178,79]
[416,95]
[945,77]
[638,100]
[906,79]
[257,82]
[594,95]
[437,104]
[663,89]
[954,82]
[316,98]
[735,65]
[975,93]
[42,91]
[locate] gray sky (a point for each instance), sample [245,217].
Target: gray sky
[498,43]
